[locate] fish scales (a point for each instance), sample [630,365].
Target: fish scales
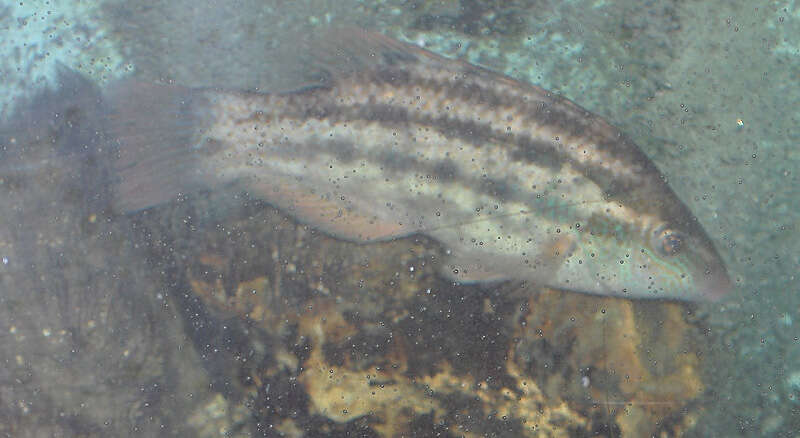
[515,182]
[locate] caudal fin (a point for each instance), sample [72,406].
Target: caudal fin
[159,130]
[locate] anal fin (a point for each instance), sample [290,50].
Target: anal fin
[332,216]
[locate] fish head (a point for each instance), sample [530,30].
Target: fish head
[677,262]
[674,261]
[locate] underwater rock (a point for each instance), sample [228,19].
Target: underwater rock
[330,337]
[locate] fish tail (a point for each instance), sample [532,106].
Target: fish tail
[158,130]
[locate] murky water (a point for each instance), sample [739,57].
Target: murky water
[220,312]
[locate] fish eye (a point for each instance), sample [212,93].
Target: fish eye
[668,242]
[672,243]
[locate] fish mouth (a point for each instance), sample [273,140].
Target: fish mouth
[716,284]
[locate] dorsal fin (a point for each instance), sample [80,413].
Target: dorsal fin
[340,52]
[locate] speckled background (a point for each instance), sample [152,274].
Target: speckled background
[94,330]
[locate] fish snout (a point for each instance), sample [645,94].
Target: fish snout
[716,284]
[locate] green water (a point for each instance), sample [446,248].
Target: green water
[98,338]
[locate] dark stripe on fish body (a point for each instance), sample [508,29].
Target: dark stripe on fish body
[472,91]
[335,105]
[527,149]
[537,150]
[523,147]
[394,162]
[472,132]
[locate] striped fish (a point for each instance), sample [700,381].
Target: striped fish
[515,182]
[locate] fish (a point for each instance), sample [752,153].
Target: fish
[515,182]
